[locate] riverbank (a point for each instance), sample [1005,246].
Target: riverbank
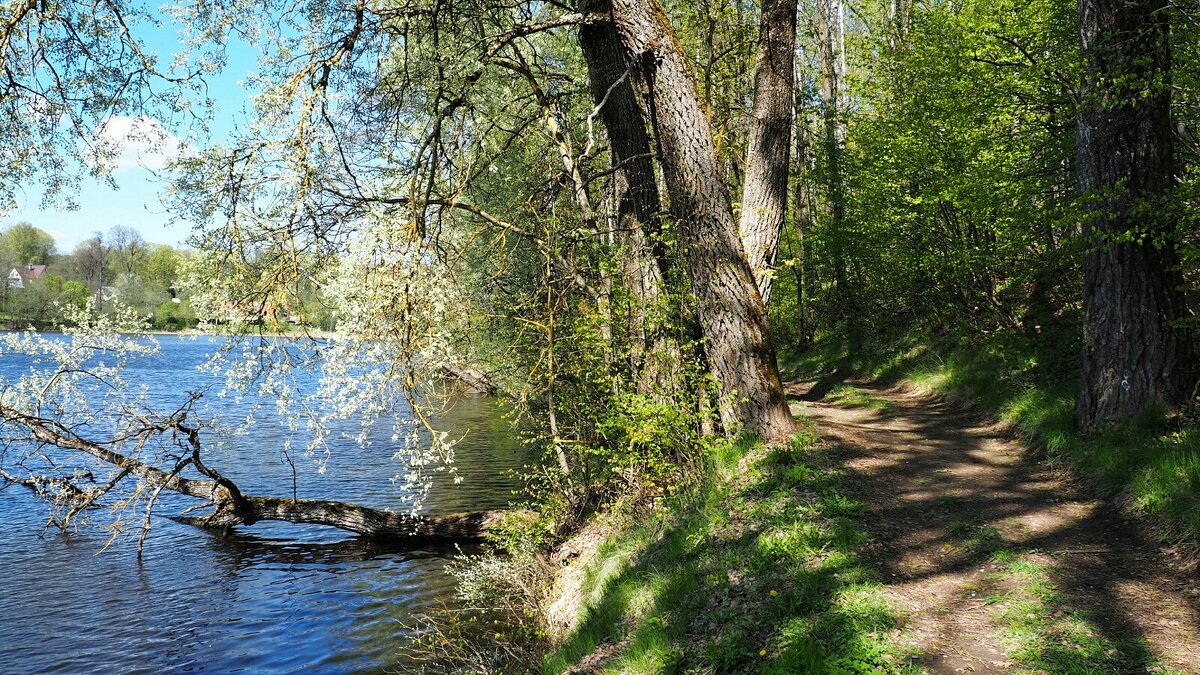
[905,531]
[757,569]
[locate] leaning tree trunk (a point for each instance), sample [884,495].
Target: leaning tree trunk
[637,205]
[1134,353]
[765,190]
[230,506]
[731,311]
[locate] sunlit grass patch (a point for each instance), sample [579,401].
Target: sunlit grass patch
[977,540]
[853,397]
[1041,633]
[758,573]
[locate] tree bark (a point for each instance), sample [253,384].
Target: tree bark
[732,315]
[765,190]
[1134,353]
[637,203]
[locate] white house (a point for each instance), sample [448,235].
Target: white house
[19,275]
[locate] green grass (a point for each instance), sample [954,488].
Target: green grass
[1150,463]
[978,540]
[1042,635]
[856,398]
[757,572]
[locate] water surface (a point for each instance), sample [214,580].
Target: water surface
[272,598]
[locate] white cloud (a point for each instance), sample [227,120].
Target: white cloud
[125,143]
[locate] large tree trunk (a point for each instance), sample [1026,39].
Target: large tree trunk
[1134,353]
[765,190]
[637,205]
[731,311]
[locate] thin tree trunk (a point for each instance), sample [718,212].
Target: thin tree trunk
[803,217]
[899,15]
[1134,353]
[834,146]
[731,312]
[765,190]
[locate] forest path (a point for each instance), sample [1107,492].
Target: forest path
[969,531]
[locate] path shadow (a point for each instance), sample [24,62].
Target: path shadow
[936,479]
[816,391]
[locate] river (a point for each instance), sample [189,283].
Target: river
[271,598]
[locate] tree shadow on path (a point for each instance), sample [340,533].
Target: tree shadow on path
[1000,558]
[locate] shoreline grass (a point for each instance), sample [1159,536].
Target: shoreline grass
[759,572]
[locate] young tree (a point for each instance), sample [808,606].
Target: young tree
[1135,353]
[831,49]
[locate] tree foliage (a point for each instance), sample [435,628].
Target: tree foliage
[540,193]
[23,244]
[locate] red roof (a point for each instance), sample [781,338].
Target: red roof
[31,271]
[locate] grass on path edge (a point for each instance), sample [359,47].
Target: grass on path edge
[1151,464]
[757,571]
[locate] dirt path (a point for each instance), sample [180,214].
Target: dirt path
[941,486]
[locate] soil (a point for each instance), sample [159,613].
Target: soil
[929,470]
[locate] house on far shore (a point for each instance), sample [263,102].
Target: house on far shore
[19,275]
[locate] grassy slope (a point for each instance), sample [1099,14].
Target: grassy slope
[1152,464]
[756,571]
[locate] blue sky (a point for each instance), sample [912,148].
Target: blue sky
[136,203]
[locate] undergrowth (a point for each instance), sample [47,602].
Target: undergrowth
[496,627]
[1151,463]
[755,572]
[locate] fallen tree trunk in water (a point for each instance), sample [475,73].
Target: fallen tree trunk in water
[231,506]
[466,526]
[474,380]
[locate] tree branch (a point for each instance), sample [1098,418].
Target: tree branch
[234,508]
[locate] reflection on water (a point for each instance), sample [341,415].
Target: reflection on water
[273,598]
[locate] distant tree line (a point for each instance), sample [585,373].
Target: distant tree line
[116,266]
[120,267]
